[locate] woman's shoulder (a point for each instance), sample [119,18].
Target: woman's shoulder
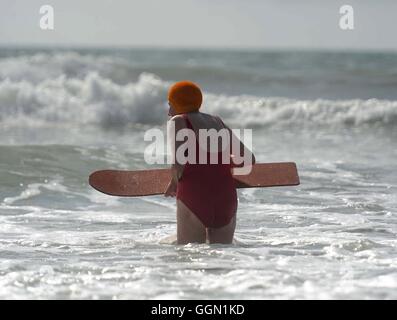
[216,119]
[179,121]
[178,118]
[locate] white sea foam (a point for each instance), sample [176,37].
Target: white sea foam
[100,101]
[77,89]
[42,66]
[34,189]
[92,100]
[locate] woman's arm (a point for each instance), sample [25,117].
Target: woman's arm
[247,157]
[175,124]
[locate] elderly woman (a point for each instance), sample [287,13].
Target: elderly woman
[205,192]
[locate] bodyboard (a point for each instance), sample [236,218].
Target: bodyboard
[138,183]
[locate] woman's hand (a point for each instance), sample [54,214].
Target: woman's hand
[242,163]
[171,189]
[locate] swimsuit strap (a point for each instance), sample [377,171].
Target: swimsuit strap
[188,123]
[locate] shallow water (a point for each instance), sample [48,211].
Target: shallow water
[334,236]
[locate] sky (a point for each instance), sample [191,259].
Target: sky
[263,24]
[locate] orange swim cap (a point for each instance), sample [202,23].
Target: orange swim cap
[185,96]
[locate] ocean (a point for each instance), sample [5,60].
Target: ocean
[65,113]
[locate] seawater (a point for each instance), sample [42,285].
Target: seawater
[66,113]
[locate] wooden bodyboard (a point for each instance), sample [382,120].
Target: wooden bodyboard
[124,183]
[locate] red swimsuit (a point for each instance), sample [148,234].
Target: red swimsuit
[208,190]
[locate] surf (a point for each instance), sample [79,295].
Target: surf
[95,100]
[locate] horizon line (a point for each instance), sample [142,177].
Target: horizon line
[78,46]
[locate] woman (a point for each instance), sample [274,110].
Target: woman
[206,194]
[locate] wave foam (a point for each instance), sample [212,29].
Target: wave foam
[42,66]
[250,110]
[91,100]
[74,89]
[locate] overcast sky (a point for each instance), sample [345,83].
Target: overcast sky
[201,23]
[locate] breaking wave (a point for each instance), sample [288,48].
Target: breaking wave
[78,90]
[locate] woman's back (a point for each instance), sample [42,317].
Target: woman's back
[208,189]
[200,120]
[203,121]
